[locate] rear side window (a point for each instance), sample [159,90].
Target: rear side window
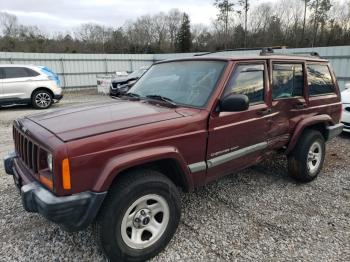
[288,81]
[320,80]
[248,80]
[31,72]
[17,72]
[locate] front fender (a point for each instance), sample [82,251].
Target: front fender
[122,162]
[307,122]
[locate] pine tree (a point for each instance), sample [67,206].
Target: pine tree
[183,36]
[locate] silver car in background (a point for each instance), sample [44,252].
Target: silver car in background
[29,84]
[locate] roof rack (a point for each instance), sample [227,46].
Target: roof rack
[243,49]
[308,53]
[265,51]
[270,51]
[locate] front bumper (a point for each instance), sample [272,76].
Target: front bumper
[74,212]
[119,91]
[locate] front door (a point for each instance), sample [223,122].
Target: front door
[237,139]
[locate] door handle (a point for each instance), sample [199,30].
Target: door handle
[264,112]
[300,105]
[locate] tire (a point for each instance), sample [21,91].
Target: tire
[306,160]
[138,191]
[41,99]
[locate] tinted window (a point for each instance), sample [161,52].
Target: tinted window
[15,72]
[1,73]
[288,81]
[248,80]
[31,72]
[320,80]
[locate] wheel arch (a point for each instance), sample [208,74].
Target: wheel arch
[318,122]
[41,88]
[165,160]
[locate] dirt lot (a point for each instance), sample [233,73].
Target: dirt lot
[259,214]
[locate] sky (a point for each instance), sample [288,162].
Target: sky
[63,15]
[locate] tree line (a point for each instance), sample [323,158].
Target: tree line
[292,23]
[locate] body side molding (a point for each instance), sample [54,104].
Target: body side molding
[200,166]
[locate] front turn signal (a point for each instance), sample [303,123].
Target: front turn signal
[66,174]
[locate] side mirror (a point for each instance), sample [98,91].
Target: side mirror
[234,103]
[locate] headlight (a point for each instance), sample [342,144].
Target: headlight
[49,161]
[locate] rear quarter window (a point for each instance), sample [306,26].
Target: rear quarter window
[319,80]
[31,72]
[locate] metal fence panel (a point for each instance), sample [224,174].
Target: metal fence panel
[80,70]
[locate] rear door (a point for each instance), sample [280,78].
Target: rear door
[324,97]
[288,95]
[18,82]
[237,139]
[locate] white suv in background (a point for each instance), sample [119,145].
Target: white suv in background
[345,97]
[29,84]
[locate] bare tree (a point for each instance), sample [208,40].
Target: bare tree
[245,5]
[225,8]
[306,2]
[320,13]
[8,24]
[173,20]
[295,23]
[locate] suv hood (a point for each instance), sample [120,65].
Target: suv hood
[92,119]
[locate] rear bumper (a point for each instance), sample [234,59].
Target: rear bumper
[333,131]
[74,212]
[57,97]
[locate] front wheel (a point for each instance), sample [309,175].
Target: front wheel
[139,216]
[306,160]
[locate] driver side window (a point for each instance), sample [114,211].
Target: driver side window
[248,80]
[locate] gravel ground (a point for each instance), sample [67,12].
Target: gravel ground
[259,214]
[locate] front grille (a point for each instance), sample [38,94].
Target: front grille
[115,85]
[28,151]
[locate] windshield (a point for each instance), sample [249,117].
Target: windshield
[185,82]
[137,73]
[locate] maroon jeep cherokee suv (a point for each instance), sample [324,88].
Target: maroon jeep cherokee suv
[183,124]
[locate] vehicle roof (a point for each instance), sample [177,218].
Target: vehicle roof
[18,65]
[250,57]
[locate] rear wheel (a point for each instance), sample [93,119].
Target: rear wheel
[139,216]
[41,99]
[306,160]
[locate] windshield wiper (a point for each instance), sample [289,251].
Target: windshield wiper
[162,98]
[131,95]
